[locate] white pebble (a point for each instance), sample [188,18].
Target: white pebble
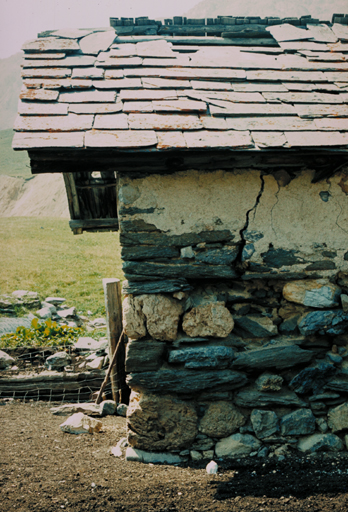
[212,468]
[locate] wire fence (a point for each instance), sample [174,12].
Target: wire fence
[30,380]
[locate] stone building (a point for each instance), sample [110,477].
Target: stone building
[219,148]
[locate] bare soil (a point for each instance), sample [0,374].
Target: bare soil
[44,470]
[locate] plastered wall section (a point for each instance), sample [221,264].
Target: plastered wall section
[284,223]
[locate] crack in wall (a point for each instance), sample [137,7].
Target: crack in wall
[247,221]
[328,181]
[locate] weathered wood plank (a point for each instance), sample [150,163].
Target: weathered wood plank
[321,33]
[309,139]
[38,94]
[88,73]
[211,86]
[338,124]
[45,55]
[121,83]
[299,63]
[164,122]
[218,139]
[287,32]
[158,49]
[42,109]
[258,87]
[303,97]
[340,31]
[22,140]
[68,62]
[67,123]
[230,31]
[46,73]
[267,124]
[162,83]
[326,87]
[94,43]
[147,94]
[180,105]
[111,122]
[223,96]
[51,83]
[249,109]
[87,97]
[120,139]
[149,269]
[50,44]
[337,47]
[287,76]
[169,140]
[269,139]
[119,62]
[138,106]
[312,111]
[94,223]
[198,41]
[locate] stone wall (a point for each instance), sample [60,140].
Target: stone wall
[236,311]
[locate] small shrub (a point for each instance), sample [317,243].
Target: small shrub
[41,334]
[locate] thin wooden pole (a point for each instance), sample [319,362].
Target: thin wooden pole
[108,373]
[113,307]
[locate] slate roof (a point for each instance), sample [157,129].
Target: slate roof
[269,84]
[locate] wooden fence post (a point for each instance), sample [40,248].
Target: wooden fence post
[113,307]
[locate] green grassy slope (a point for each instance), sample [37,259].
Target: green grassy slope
[43,255]
[12,163]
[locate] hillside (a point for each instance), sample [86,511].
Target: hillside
[12,163]
[283,8]
[10,85]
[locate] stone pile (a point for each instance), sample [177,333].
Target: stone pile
[239,368]
[51,307]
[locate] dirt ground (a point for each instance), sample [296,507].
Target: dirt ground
[43,470]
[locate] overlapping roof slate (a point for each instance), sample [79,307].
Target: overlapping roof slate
[100,89]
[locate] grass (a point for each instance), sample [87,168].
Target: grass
[12,163]
[43,255]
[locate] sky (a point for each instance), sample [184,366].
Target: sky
[22,20]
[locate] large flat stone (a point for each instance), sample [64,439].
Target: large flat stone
[324,322]
[160,423]
[252,398]
[175,269]
[135,287]
[236,446]
[79,423]
[185,381]
[221,419]
[212,319]
[279,357]
[313,378]
[202,357]
[339,384]
[144,356]
[298,423]
[317,293]
[320,443]
[265,423]
[256,327]
[338,418]
[136,455]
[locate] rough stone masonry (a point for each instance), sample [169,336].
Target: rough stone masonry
[236,311]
